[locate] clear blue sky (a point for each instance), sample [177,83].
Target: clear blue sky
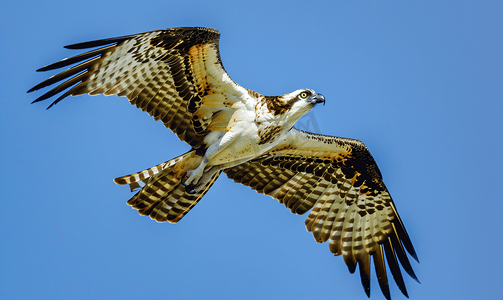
[420,82]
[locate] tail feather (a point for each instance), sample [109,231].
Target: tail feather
[163,198]
[143,176]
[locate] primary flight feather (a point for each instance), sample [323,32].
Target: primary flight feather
[176,76]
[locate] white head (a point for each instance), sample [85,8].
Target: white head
[291,107]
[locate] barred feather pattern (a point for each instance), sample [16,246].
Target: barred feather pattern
[350,206]
[163,198]
[143,176]
[175,75]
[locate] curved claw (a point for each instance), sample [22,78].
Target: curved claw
[183,179]
[189,188]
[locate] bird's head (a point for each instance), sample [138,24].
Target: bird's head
[306,99]
[294,105]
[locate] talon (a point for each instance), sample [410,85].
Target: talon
[183,179]
[189,190]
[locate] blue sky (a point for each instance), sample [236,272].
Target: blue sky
[420,82]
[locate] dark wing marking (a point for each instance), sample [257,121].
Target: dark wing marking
[351,208]
[175,75]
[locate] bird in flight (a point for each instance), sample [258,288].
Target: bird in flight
[176,76]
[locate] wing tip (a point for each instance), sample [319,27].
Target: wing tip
[97,43]
[414,255]
[46,68]
[365,276]
[52,104]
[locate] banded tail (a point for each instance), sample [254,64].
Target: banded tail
[164,198]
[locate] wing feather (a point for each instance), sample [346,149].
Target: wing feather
[382,277]
[331,211]
[176,76]
[339,181]
[170,74]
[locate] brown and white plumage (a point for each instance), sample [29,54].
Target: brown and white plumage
[351,208]
[155,71]
[176,76]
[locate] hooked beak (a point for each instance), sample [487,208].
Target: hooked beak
[317,98]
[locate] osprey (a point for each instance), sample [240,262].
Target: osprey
[176,76]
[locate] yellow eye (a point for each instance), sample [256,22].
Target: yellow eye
[304,95]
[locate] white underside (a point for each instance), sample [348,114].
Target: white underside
[231,148]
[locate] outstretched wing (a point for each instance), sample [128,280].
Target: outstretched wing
[351,208]
[175,75]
